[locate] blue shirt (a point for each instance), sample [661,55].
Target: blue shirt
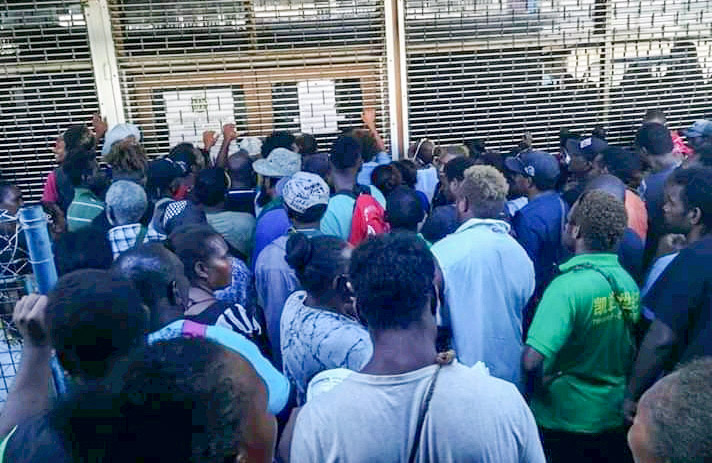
[488,280]
[270,226]
[364,175]
[538,227]
[276,384]
[337,219]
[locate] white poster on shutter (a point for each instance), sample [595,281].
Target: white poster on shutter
[317,106]
[191,112]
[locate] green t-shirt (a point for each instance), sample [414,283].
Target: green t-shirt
[83,209]
[580,330]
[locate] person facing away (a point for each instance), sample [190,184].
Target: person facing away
[581,344]
[126,203]
[346,160]
[238,228]
[320,329]
[86,248]
[674,417]
[443,219]
[655,145]
[91,320]
[272,220]
[409,176]
[208,266]
[680,299]
[182,400]
[539,225]
[626,165]
[243,182]
[631,248]
[305,198]
[375,415]
[89,185]
[404,212]
[488,277]
[160,280]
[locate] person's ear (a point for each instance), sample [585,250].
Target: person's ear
[343,287]
[695,215]
[173,295]
[576,231]
[462,205]
[110,215]
[201,270]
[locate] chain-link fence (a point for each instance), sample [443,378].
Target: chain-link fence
[14,276]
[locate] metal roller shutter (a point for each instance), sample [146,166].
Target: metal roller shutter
[298,65]
[46,84]
[492,69]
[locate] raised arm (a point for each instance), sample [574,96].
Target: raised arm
[29,395]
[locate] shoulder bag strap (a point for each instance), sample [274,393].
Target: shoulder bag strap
[616,292]
[443,358]
[421,417]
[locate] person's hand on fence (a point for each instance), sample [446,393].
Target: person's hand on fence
[229,132]
[99,125]
[29,317]
[209,139]
[369,117]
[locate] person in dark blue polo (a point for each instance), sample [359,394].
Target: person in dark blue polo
[538,226]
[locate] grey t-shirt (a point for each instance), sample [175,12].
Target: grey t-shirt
[314,340]
[473,417]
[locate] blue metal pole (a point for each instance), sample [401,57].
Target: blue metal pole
[39,247]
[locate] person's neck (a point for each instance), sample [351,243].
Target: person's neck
[324,303]
[240,186]
[696,234]
[306,225]
[216,208]
[200,291]
[465,216]
[343,180]
[664,162]
[582,249]
[167,314]
[400,351]
[404,229]
[535,193]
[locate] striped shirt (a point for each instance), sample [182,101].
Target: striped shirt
[84,208]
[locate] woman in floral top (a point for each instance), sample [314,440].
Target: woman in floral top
[319,327]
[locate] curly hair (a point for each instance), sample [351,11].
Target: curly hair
[127,156]
[602,220]
[177,400]
[392,275]
[680,408]
[94,318]
[485,189]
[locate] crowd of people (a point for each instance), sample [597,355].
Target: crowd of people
[267,300]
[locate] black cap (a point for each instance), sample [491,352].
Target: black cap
[587,148]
